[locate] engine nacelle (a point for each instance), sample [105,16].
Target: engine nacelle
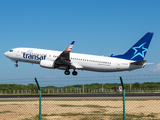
[47,64]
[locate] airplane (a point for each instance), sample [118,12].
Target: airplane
[132,59]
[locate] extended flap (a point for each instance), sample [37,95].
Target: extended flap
[76,65]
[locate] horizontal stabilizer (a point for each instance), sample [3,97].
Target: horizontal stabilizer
[149,63]
[139,62]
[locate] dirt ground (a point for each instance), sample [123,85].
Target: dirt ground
[80,109]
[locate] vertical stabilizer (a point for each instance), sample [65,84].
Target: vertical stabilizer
[138,51]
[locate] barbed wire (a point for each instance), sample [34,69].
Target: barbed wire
[66,81]
[54,77]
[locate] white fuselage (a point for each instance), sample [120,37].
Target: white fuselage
[86,62]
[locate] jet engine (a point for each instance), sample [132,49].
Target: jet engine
[47,64]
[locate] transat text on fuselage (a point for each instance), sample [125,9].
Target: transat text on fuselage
[34,57]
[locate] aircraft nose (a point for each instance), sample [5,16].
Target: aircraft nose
[5,54]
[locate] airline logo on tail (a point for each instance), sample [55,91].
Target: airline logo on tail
[139,51]
[70,47]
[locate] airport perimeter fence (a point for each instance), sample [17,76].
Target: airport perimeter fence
[79,108]
[77,91]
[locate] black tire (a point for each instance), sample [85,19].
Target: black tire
[16,65]
[67,72]
[74,73]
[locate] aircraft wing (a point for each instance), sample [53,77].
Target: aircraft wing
[64,58]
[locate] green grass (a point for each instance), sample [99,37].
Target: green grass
[117,99]
[112,107]
[71,114]
[5,112]
[90,106]
[18,100]
[93,106]
[93,117]
[34,118]
[134,116]
[153,115]
[97,112]
[10,104]
[99,115]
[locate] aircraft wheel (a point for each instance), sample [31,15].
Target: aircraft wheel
[16,65]
[74,73]
[67,72]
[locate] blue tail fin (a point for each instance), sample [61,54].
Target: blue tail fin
[138,51]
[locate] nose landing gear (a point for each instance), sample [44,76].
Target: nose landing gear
[16,65]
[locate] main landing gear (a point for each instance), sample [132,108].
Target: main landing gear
[16,65]
[74,73]
[67,72]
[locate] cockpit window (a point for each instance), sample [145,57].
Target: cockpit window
[11,50]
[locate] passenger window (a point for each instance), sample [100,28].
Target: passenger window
[11,50]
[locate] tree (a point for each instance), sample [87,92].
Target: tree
[136,85]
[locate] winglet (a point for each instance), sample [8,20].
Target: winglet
[70,47]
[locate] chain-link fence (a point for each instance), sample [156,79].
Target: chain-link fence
[56,107]
[76,91]
[80,109]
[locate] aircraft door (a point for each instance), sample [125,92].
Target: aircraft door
[17,53]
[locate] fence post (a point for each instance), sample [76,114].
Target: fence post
[13,91]
[102,88]
[57,91]
[83,89]
[39,98]
[123,98]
